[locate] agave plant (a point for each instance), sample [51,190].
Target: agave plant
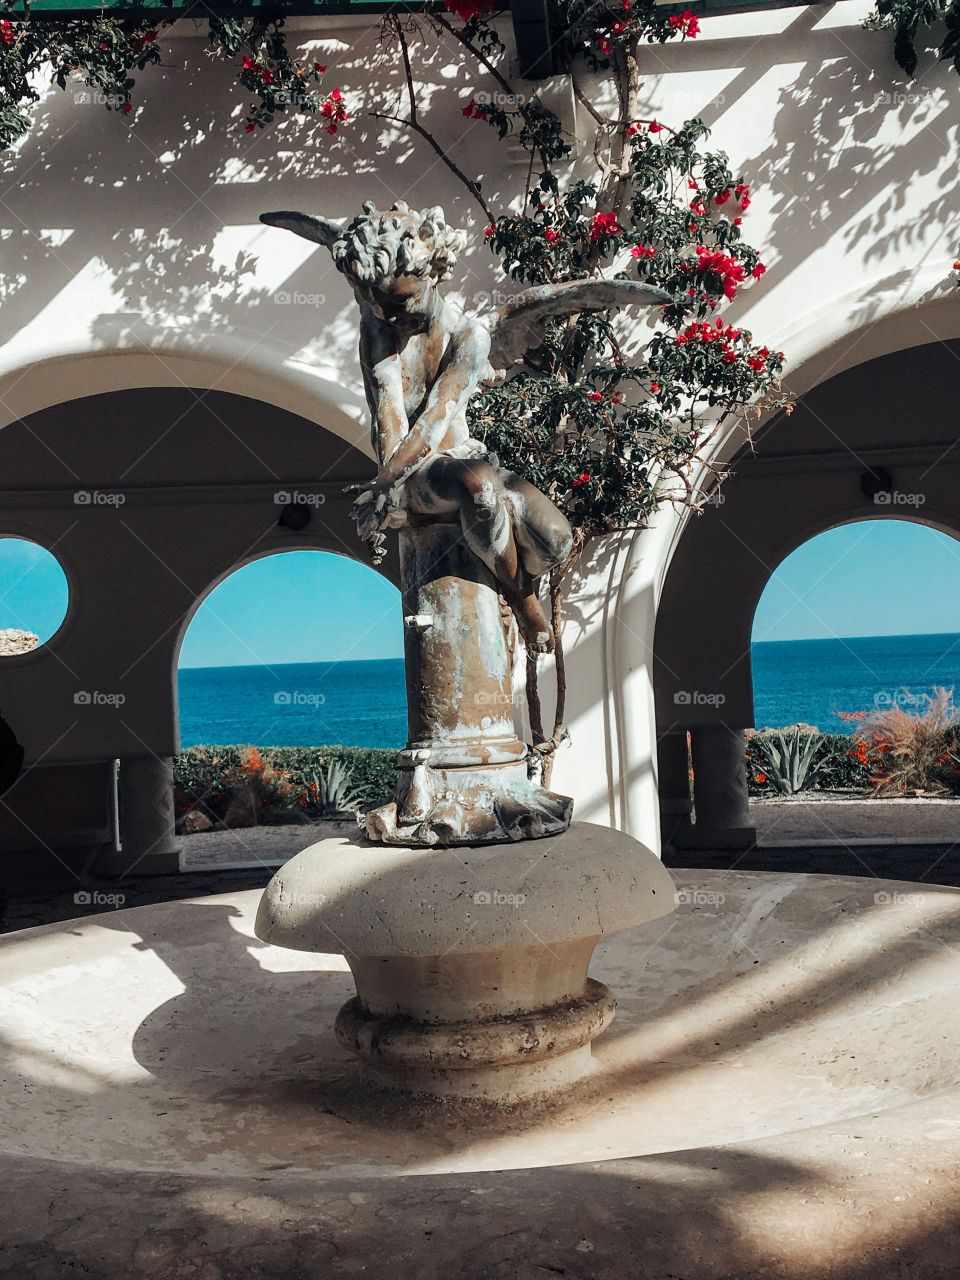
[789,763]
[333,789]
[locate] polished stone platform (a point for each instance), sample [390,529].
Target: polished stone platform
[778,1096]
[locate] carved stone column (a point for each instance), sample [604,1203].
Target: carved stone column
[463,773]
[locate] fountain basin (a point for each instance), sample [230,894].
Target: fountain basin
[778,1096]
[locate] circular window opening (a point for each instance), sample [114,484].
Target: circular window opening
[33,596]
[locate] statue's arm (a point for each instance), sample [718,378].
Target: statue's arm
[383,383]
[465,362]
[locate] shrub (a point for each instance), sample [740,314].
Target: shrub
[247,785]
[909,751]
[790,764]
[836,768]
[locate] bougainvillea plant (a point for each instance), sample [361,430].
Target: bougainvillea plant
[606,418]
[602,420]
[102,52]
[909,18]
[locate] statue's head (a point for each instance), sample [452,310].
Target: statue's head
[380,245]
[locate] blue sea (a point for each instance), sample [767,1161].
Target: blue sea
[363,704]
[809,681]
[312,704]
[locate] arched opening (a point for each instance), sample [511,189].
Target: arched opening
[295,649]
[856,668]
[869,449]
[292,705]
[34,596]
[860,618]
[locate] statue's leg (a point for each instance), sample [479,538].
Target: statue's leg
[542,531]
[475,490]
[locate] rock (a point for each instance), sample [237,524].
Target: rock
[193,822]
[14,641]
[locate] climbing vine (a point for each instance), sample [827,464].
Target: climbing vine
[102,52]
[607,422]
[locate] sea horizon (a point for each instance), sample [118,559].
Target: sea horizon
[362,701]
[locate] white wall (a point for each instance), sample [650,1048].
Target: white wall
[132,257]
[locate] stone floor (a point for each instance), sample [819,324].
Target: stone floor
[832,816]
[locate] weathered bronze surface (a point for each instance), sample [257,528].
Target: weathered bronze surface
[471,531]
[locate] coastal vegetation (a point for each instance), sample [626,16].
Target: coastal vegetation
[891,752]
[246,786]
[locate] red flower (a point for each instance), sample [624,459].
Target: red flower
[249,64]
[319,70]
[761,777]
[654,127]
[128,107]
[469,10]
[6,32]
[604,224]
[490,230]
[584,479]
[758,271]
[250,127]
[687,22]
[549,234]
[722,198]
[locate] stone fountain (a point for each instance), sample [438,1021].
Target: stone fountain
[469,908]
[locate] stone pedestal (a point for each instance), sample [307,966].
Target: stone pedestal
[470,963]
[463,774]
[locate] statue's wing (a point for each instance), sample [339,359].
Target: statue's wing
[519,325]
[322,230]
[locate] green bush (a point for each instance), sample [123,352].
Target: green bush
[200,773]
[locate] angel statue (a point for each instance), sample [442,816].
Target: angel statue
[422,361]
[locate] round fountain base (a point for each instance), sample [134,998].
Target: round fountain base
[471,964]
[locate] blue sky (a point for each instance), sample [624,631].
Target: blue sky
[301,606]
[33,588]
[877,577]
[872,578]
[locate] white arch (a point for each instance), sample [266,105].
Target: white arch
[41,378]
